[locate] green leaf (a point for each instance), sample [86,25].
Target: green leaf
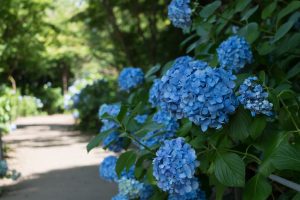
[184,130]
[265,48]
[249,13]
[150,176]
[122,113]
[283,29]
[294,71]
[95,141]
[258,186]
[241,5]
[198,142]
[258,125]
[250,32]
[239,127]
[267,12]
[209,9]
[230,170]
[286,157]
[152,71]
[220,189]
[125,160]
[291,7]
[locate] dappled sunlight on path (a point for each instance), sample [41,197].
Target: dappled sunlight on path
[54,163]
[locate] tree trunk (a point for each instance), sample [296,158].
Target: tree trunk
[65,75]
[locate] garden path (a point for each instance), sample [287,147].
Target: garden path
[54,163]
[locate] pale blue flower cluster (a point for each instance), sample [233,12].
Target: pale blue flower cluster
[3,168]
[120,197]
[170,126]
[130,78]
[174,167]
[192,89]
[254,98]
[130,187]
[107,169]
[146,192]
[113,141]
[179,12]
[110,109]
[197,194]
[234,53]
[154,93]
[141,119]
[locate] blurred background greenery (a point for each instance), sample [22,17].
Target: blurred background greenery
[45,46]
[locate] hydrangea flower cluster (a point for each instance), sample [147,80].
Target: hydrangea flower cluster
[194,195]
[254,98]
[174,167]
[146,192]
[130,187]
[154,93]
[141,119]
[3,168]
[234,53]
[179,12]
[130,78]
[107,169]
[170,127]
[112,109]
[120,197]
[192,89]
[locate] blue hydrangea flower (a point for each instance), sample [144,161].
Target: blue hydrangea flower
[192,89]
[194,195]
[154,93]
[107,169]
[141,119]
[114,142]
[167,131]
[146,192]
[3,168]
[130,78]
[120,197]
[110,109]
[174,167]
[254,98]
[171,86]
[179,12]
[130,187]
[234,53]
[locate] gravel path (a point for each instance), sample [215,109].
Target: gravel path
[53,162]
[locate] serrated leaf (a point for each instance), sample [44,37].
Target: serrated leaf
[258,186]
[249,13]
[230,170]
[267,12]
[265,48]
[209,9]
[286,157]
[150,176]
[258,125]
[125,161]
[122,113]
[239,127]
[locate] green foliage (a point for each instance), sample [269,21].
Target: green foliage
[89,100]
[247,150]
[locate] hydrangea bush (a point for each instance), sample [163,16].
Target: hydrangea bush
[222,121]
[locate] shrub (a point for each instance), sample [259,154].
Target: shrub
[243,130]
